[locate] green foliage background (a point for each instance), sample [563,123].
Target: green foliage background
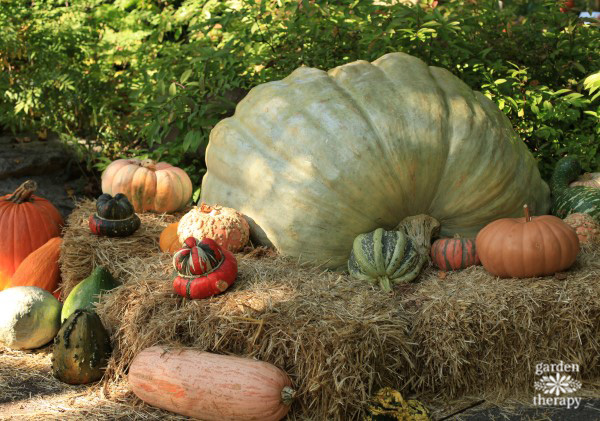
[152,77]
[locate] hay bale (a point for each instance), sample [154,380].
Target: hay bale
[81,251]
[478,334]
[337,338]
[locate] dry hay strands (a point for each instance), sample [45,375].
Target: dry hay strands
[81,250]
[337,338]
[477,334]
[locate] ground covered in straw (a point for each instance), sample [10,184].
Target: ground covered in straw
[450,336]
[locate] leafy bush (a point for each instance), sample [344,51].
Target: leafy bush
[151,78]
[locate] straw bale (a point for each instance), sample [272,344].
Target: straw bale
[466,333]
[81,251]
[337,338]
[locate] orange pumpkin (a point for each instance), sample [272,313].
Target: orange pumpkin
[40,269]
[226,226]
[27,222]
[527,247]
[454,253]
[586,228]
[169,241]
[149,186]
[210,387]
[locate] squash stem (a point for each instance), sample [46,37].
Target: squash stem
[23,192]
[384,283]
[527,215]
[287,395]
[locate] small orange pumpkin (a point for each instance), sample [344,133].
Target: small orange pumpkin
[454,253]
[527,247]
[149,185]
[27,222]
[169,241]
[40,269]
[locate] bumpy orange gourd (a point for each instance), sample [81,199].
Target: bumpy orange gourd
[169,241]
[149,186]
[587,229]
[210,387]
[226,226]
[27,222]
[40,269]
[527,247]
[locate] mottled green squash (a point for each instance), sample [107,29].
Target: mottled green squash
[81,349]
[319,157]
[567,200]
[386,258]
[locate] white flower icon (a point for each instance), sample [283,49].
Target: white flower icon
[558,384]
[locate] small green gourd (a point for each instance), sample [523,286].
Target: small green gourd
[386,258]
[87,293]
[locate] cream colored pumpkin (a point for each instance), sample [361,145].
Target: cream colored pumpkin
[319,157]
[588,180]
[149,186]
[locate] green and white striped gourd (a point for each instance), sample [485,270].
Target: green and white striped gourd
[567,200]
[386,258]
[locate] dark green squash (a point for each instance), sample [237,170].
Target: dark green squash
[81,349]
[385,258]
[567,200]
[114,217]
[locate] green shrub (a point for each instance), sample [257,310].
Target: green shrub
[151,78]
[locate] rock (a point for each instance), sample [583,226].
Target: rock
[36,157]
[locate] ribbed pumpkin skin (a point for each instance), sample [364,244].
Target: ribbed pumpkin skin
[385,258]
[514,248]
[319,157]
[169,240]
[567,200]
[454,253]
[149,186]
[40,269]
[24,227]
[208,386]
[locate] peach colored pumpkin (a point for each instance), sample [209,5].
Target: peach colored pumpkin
[226,226]
[527,247]
[169,241]
[149,186]
[40,269]
[210,387]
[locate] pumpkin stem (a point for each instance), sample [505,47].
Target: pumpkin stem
[23,192]
[148,163]
[527,215]
[287,395]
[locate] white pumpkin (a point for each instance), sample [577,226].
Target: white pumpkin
[319,157]
[29,317]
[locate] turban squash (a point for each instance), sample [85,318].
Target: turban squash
[27,222]
[319,157]
[114,217]
[149,185]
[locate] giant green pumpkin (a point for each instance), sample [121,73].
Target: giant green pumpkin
[319,157]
